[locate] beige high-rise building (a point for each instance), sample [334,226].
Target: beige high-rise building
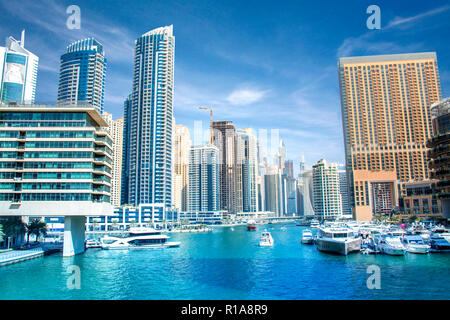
[115,129]
[385,104]
[181,167]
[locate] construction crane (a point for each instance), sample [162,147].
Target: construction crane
[210,121]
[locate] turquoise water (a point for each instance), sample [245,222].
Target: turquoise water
[227,264]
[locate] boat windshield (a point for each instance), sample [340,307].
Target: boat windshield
[340,235]
[108,241]
[139,242]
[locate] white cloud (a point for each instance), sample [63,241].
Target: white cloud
[244,96]
[399,20]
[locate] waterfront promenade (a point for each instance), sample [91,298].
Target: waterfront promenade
[15,256]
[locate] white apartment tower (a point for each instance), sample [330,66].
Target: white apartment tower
[326,190]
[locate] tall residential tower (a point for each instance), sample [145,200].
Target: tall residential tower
[149,113]
[18,72]
[385,102]
[82,74]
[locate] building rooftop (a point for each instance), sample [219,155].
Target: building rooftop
[60,107]
[388,57]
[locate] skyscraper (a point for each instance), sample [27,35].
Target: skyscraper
[125,153]
[326,188]
[18,72]
[345,196]
[82,74]
[273,192]
[439,154]
[224,138]
[289,168]
[181,162]
[150,119]
[204,179]
[115,129]
[385,103]
[246,171]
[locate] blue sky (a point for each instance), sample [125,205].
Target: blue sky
[263,64]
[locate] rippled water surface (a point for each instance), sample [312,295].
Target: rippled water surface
[228,264]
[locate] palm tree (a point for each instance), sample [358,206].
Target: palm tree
[1,233]
[36,227]
[14,227]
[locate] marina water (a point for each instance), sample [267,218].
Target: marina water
[229,264]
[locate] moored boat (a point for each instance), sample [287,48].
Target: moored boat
[439,244]
[307,237]
[337,240]
[315,224]
[390,244]
[415,244]
[138,238]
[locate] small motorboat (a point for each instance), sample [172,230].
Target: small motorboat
[266,239]
[315,224]
[93,243]
[307,237]
[251,225]
[439,244]
[415,244]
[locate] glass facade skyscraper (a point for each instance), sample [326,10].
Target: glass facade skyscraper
[149,117]
[204,179]
[82,74]
[18,72]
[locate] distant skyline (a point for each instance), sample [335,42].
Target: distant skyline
[261,64]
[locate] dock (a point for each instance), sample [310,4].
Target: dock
[15,256]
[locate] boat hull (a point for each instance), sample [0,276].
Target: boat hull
[417,249]
[153,246]
[308,241]
[393,251]
[339,247]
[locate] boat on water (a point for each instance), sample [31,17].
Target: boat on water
[337,240]
[93,243]
[415,244]
[138,238]
[390,244]
[314,224]
[251,225]
[266,239]
[307,237]
[439,244]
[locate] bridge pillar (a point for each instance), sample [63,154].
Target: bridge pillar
[74,229]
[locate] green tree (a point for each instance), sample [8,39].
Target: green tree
[14,227]
[412,218]
[36,227]
[1,233]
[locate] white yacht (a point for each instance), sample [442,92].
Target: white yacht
[338,240]
[138,238]
[266,239]
[315,223]
[389,244]
[415,244]
[307,237]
